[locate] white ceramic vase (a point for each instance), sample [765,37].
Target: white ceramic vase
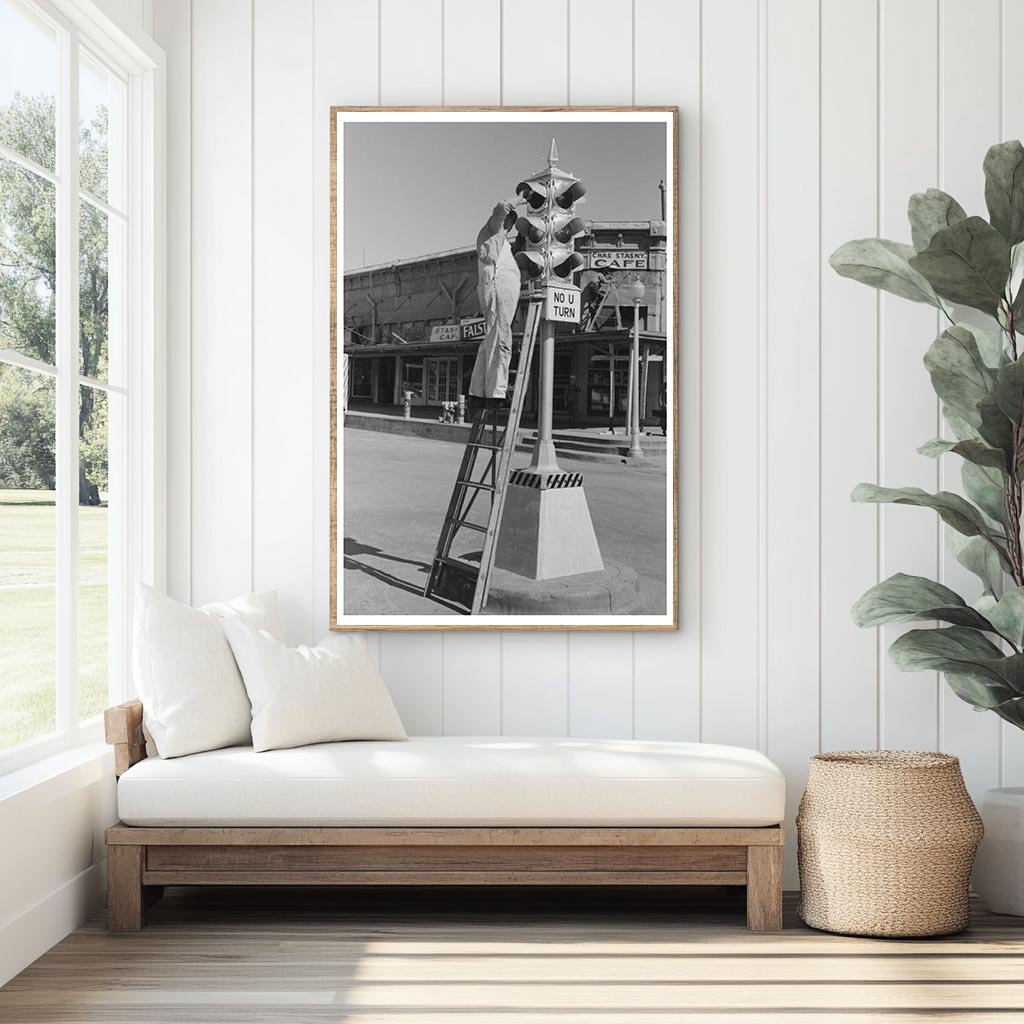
[999,866]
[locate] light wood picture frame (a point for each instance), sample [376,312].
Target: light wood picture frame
[409,189]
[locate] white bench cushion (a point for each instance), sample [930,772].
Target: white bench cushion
[459,780]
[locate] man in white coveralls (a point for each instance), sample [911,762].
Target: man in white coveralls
[498,289]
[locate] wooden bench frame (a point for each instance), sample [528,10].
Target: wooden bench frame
[142,860]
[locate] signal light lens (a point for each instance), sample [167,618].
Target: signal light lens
[530,263]
[567,230]
[531,228]
[572,263]
[535,198]
[576,191]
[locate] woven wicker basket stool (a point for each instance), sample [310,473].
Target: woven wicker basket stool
[886,840]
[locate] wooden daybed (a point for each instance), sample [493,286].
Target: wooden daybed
[182,849]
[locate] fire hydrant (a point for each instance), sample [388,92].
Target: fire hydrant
[462,410]
[406,405]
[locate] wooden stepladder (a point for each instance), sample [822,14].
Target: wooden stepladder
[486,465]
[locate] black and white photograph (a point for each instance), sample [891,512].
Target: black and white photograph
[504,352]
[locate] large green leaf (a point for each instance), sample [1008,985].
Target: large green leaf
[983,694]
[932,211]
[996,428]
[976,555]
[1004,189]
[973,451]
[952,509]
[1011,711]
[883,264]
[1016,278]
[903,598]
[961,429]
[1006,614]
[958,372]
[1009,390]
[967,263]
[985,487]
[1017,309]
[963,652]
[1015,284]
[990,345]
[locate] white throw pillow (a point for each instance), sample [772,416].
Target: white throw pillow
[192,693]
[309,694]
[348,645]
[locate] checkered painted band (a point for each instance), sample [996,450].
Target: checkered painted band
[524,478]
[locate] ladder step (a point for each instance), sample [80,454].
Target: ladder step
[465,524]
[457,563]
[466,583]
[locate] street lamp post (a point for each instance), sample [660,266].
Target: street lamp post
[611,387]
[637,291]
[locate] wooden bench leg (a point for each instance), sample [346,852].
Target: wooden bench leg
[764,888]
[125,896]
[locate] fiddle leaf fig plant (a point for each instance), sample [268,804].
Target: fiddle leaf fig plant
[977,373]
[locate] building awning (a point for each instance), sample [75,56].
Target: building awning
[602,338]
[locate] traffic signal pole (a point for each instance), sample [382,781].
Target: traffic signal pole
[547,532]
[543,460]
[549,226]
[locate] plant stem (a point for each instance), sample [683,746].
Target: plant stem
[1012,496]
[1013,510]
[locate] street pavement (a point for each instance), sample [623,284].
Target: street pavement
[396,491]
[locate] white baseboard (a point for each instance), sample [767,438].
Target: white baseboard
[26,937]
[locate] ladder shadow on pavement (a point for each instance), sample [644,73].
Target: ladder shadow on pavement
[353,547]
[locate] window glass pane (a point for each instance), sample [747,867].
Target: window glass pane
[28,545]
[101,279]
[101,122]
[28,263]
[28,85]
[94,537]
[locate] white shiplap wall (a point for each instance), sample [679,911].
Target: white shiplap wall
[804,123]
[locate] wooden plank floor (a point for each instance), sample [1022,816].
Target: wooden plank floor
[220,956]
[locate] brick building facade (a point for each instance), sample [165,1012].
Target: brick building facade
[414,326]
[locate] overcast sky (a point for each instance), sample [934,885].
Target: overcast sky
[413,189]
[28,62]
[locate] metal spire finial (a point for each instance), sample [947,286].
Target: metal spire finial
[553,155]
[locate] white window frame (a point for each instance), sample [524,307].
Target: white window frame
[140,64]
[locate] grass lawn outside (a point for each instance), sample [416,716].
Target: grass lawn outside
[28,613]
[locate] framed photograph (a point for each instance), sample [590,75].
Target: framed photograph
[504,339]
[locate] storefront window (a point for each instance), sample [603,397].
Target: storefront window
[443,379]
[599,385]
[362,378]
[412,379]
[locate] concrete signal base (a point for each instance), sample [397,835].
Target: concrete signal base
[546,529]
[548,561]
[613,590]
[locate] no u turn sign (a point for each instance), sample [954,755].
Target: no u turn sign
[562,303]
